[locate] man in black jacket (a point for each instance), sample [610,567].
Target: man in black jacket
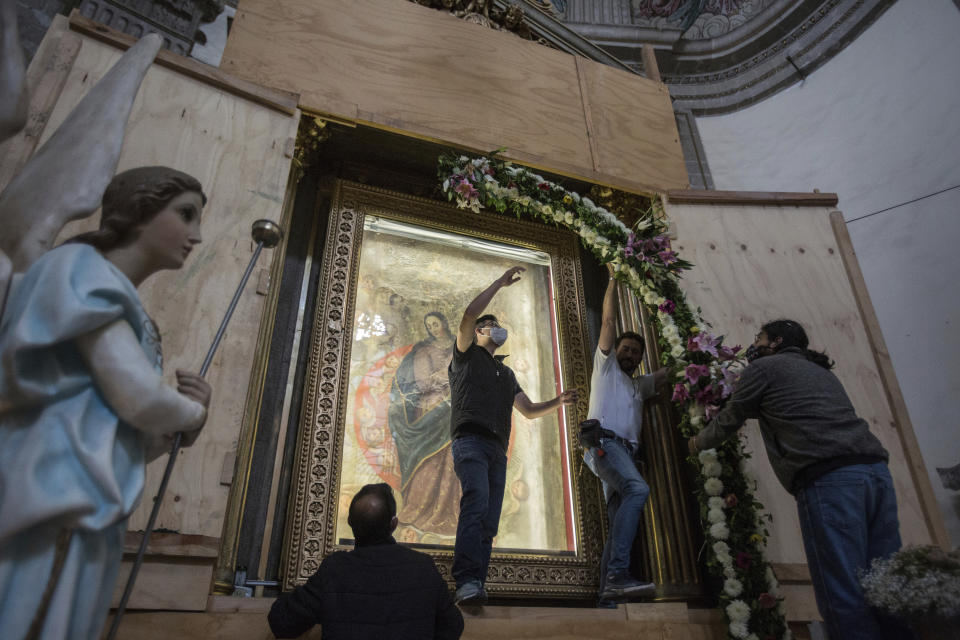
[379,590]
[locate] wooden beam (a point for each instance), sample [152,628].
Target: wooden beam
[650,68]
[792,572]
[173,544]
[891,388]
[800,199]
[283,101]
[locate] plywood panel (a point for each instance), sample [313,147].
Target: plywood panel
[760,263]
[635,131]
[397,65]
[180,585]
[236,149]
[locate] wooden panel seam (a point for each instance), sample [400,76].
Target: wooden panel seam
[801,199]
[587,115]
[891,388]
[282,101]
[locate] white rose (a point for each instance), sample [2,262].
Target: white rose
[738,611]
[732,587]
[712,469]
[707,455]
[719,530]
[696,421]
[716,502]
[716,515]
[568,217]
[713,487]
[728,570]
[677,351]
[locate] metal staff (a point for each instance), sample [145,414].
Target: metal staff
[266,234]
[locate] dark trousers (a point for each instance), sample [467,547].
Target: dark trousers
[848,517]
[481,465]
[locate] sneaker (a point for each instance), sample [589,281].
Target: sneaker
[621,583]
[470,593]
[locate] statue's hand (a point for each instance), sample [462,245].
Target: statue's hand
[198,389]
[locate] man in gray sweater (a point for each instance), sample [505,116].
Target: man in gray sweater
[824,455]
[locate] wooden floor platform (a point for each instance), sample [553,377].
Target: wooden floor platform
[245,619]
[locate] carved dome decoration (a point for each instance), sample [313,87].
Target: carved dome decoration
[719,56]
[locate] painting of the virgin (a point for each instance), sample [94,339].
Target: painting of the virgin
[411,281]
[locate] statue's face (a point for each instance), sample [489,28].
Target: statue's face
[169,236]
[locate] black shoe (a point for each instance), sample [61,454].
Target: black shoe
[607,604]
[620,584]
[471,593]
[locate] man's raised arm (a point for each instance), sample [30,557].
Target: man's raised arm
[608,322]
[475,308]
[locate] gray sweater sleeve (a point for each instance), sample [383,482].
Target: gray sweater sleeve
[743,404]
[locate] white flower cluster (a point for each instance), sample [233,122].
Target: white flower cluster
[905,585]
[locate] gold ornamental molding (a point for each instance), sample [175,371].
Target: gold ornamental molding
[315,498]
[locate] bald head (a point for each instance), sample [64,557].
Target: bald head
[373,513]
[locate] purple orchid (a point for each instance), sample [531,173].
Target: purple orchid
[707,395]
[668,307]
[667,257]
[728,353]
[695,371]
[680,393]
[704,342]
[466,189]
[727,383]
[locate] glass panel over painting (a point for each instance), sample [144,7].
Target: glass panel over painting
[413,286]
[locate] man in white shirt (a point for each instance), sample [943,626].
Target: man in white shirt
[616,401]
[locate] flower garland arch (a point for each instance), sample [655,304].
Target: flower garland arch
[703,368]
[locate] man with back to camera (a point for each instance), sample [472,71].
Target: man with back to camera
[379,590]
[825,455]
[616,401]
[483,393]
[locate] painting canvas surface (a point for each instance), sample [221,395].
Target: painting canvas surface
[413,286]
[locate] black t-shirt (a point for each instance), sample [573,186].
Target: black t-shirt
[482,390]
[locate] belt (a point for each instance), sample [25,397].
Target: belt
[610,435]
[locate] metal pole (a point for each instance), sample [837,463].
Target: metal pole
[267,234]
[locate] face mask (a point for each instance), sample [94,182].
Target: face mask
[498,335]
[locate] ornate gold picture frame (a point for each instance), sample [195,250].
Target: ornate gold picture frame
[397,272]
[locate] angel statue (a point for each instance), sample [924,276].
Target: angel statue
[83,405]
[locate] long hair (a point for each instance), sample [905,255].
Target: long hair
[132,199]
[793,335]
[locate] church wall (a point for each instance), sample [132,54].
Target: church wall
[399,66]
[877,125]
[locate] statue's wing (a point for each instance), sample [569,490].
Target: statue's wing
[13,78]
[65,179]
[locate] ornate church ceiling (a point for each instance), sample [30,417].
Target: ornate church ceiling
[716,56]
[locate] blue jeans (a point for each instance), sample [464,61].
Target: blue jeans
[848,517]
[481,465]
[625,492]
